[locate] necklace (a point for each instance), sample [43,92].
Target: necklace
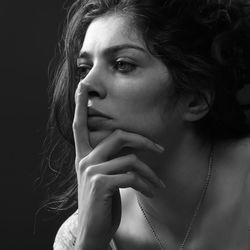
[196,211]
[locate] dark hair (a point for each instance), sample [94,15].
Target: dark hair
[204,43]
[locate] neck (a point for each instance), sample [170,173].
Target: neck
[184,169]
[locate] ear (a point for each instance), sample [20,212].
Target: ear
[197,106]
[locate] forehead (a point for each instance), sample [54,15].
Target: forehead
[111,30]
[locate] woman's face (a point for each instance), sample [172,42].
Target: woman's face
[125,82]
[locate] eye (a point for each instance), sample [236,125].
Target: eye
[124,66]
[83,70]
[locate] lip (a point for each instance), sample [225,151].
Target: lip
[95,113]
[98,123]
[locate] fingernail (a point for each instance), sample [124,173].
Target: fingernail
[161,149]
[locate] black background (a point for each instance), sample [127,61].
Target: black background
[29,34]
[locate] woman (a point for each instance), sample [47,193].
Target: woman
[155,143]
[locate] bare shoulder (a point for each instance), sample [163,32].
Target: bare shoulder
[244,145]
[242,154]
[235,160]
[232,179]
[239,152]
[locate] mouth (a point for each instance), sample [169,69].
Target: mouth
[95,113]
[97,120]
[98,123]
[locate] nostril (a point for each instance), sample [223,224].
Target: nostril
[93,94]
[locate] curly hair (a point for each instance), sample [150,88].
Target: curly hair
[204,43]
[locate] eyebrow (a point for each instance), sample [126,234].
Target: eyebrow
[116,48]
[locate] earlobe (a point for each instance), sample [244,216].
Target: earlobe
[197,106]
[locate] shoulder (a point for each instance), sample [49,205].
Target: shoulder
[66,235]
[241,154]
[245,155]
[236,153]
[232,160]
[243,147]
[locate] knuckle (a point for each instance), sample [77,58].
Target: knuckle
[98,180]
[82,165]
[88,171]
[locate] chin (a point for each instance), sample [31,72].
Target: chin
[96,136]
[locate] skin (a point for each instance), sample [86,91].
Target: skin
[117,160]
[135,91]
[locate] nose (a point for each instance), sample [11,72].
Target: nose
[95,82]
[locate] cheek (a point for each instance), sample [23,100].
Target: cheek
[141,94]
[141,108]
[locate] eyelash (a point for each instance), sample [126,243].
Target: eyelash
[83,70]
[129,66]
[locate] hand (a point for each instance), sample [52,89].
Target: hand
[99,178]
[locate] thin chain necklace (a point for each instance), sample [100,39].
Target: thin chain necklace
[196,211]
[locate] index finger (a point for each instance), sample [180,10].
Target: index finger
[80,127]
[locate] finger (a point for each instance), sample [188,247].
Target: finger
[80,128]
[125,164]
[119,139]
[128,180]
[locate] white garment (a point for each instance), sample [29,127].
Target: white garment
[66,236]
